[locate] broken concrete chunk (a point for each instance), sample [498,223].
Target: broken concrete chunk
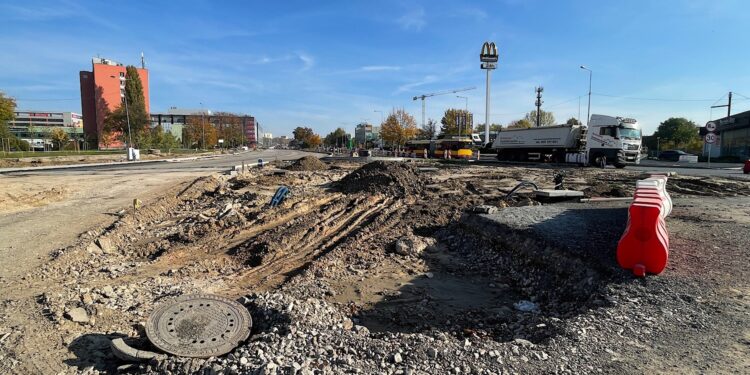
[78,315]
[93,248]
[412,245]
[106,245]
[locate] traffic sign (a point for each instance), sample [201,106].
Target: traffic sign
[710,138]
[711,126]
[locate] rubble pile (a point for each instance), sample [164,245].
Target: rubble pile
[390,178]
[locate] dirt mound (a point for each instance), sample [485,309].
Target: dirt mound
[392,178]
[308,163]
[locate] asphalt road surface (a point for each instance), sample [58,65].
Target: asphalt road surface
[211,163]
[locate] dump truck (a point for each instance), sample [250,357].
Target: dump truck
[607,140]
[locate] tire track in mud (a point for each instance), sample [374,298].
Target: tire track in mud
[315,241]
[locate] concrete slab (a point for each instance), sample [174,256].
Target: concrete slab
[550,193]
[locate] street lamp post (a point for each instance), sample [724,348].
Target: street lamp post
[127,111]
[588,113]
[203,127]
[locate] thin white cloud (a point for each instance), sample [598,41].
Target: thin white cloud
[379,68]
[413,20]
[307,60]
[413,85]
[64,10]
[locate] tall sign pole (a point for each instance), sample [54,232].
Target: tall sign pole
[488,58]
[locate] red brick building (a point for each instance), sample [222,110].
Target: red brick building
[104,88]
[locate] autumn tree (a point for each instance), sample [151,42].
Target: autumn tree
[314,141]
[519,124]
[449,124]
[398,128]
[547,118]
[228,127]
[59,136]
[306,138]
[197,129]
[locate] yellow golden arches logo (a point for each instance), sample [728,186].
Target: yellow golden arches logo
[488,54]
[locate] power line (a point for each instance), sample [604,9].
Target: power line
[656,99]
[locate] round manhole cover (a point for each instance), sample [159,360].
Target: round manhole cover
[199,325]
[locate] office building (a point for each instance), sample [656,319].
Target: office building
[176,120]
[367,135]
[102,89]
[35,126]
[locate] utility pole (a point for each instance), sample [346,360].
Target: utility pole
[539,106]
[728,105]
[588,113]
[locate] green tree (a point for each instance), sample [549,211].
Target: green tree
[494,128]
[449,124]
[338,138]
[573,121]
[678,130]
[134,111]
[519,124]
[398,128]
[547,118]
[7,113]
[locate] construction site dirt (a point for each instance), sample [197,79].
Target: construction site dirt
[384,268]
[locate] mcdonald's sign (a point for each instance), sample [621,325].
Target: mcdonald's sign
[489,53]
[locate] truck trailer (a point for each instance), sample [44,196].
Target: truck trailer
[607,140]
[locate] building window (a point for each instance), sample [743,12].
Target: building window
[122,74]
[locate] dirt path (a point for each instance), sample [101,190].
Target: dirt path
[42,213]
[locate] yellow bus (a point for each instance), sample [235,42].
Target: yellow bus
[456,147]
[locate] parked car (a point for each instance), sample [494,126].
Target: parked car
[672,155]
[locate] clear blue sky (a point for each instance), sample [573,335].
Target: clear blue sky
[327,64]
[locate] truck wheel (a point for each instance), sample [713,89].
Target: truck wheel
[619,166]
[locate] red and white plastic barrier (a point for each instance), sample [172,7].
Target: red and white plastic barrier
[644,247]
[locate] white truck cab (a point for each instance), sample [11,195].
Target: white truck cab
[613,140]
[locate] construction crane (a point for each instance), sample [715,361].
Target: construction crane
[437,94]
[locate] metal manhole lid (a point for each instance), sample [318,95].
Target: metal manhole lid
[199,325]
